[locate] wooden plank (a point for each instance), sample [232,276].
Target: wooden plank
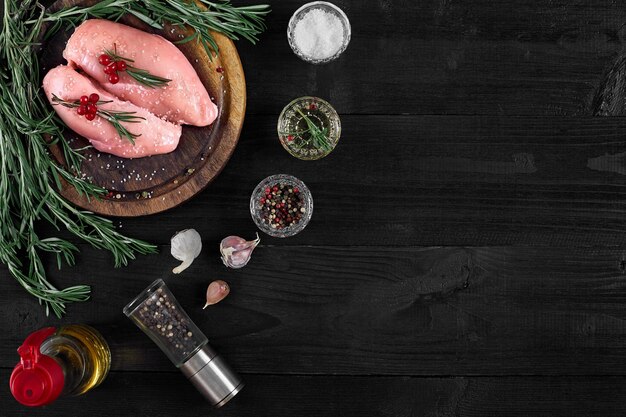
[429,180]
[472,57]
[367,310]
[415,76]
[539,21]
[166,394]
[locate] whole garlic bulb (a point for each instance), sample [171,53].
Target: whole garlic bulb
[236,251]
[186,247]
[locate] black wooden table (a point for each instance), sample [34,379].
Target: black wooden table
[467,254]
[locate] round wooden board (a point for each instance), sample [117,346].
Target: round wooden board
[153,184]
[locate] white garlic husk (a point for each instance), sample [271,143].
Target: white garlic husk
[186,247]
[236,251]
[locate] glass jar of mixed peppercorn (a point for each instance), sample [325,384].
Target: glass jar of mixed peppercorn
[281,205]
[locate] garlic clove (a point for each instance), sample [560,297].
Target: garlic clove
[186,246]
[216,292]
[236,251]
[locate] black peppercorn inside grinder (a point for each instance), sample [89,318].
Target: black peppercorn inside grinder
[158,314]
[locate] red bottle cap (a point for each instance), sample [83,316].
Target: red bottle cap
[38,379]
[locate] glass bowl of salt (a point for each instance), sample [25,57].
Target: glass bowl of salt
[319,32]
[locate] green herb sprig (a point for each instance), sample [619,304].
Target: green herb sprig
[31,180]
[116,118]
[142,76]
[201,16]
[313,135]
[317,135]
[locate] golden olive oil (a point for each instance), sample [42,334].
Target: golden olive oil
[84,352]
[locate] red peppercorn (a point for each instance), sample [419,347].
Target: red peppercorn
[90,116]
[296,190]
[94,98]
[114,78]
[267,190]
[81,110]
[219,69]
[110,68]
[104,59]
[92,108]
[275,188]
[262,200]
[121,65]
[290,138]
[313,106]
[84,99]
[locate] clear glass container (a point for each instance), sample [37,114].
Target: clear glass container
[158,314]
[294,131]
[329,8]
[54,362]
[258,207]
[84,355]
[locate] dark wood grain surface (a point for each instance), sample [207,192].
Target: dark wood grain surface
[467,253]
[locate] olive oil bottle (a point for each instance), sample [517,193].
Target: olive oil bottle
[55,362]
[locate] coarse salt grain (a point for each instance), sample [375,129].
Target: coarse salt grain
[319,34]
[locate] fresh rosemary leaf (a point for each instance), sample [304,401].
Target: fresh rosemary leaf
[144,77]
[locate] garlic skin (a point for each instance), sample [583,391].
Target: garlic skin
[216,292]
[236,251]
[186,247]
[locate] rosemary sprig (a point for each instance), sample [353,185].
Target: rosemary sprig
[142,76]
[319,136]
[114,117]
[30,179]
[313,135]
[201,16]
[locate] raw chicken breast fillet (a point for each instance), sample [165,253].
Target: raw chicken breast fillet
[157,135]
[183,100]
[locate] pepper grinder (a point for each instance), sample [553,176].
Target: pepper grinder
[159,315]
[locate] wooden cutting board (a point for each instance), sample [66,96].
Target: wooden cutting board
[150,185]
